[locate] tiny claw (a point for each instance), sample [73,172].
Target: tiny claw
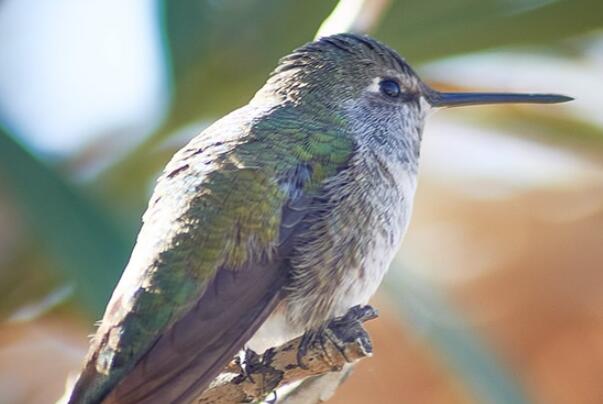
[302,350]
[247,366]
[271,400]
[268,356]
[360,313]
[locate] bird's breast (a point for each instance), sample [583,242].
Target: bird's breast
[341,260]
[391,198]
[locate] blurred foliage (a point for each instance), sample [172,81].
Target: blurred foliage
[470,358]
[219,53]
[77,234]
[556,127]
[424,30]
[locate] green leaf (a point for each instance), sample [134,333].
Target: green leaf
[222,51]
[564,129]
[423,30]
[90,249]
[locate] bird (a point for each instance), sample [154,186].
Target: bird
[283,214]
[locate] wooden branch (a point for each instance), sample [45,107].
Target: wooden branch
[342,341]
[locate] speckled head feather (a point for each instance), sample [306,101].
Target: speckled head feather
[338,67]
[344,47]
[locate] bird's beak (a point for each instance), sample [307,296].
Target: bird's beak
[438,99]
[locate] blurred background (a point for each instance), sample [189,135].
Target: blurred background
[496,295]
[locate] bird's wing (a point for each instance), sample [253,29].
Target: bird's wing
[210,260]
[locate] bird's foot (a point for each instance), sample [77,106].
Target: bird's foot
[247,362]
[340,332]
[273,399]
[259,371]
[308,339]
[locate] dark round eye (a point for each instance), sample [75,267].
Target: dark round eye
[390,88]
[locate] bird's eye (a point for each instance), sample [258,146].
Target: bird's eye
[390,88]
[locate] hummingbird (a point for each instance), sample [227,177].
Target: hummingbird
[280,216]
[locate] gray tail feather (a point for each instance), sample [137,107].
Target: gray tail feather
[185,359]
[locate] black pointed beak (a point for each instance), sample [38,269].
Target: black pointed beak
[438,99]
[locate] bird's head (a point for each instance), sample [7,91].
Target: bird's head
[368,86]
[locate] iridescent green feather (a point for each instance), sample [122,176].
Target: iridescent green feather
[218,204]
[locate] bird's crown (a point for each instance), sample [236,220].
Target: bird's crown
[340,66]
